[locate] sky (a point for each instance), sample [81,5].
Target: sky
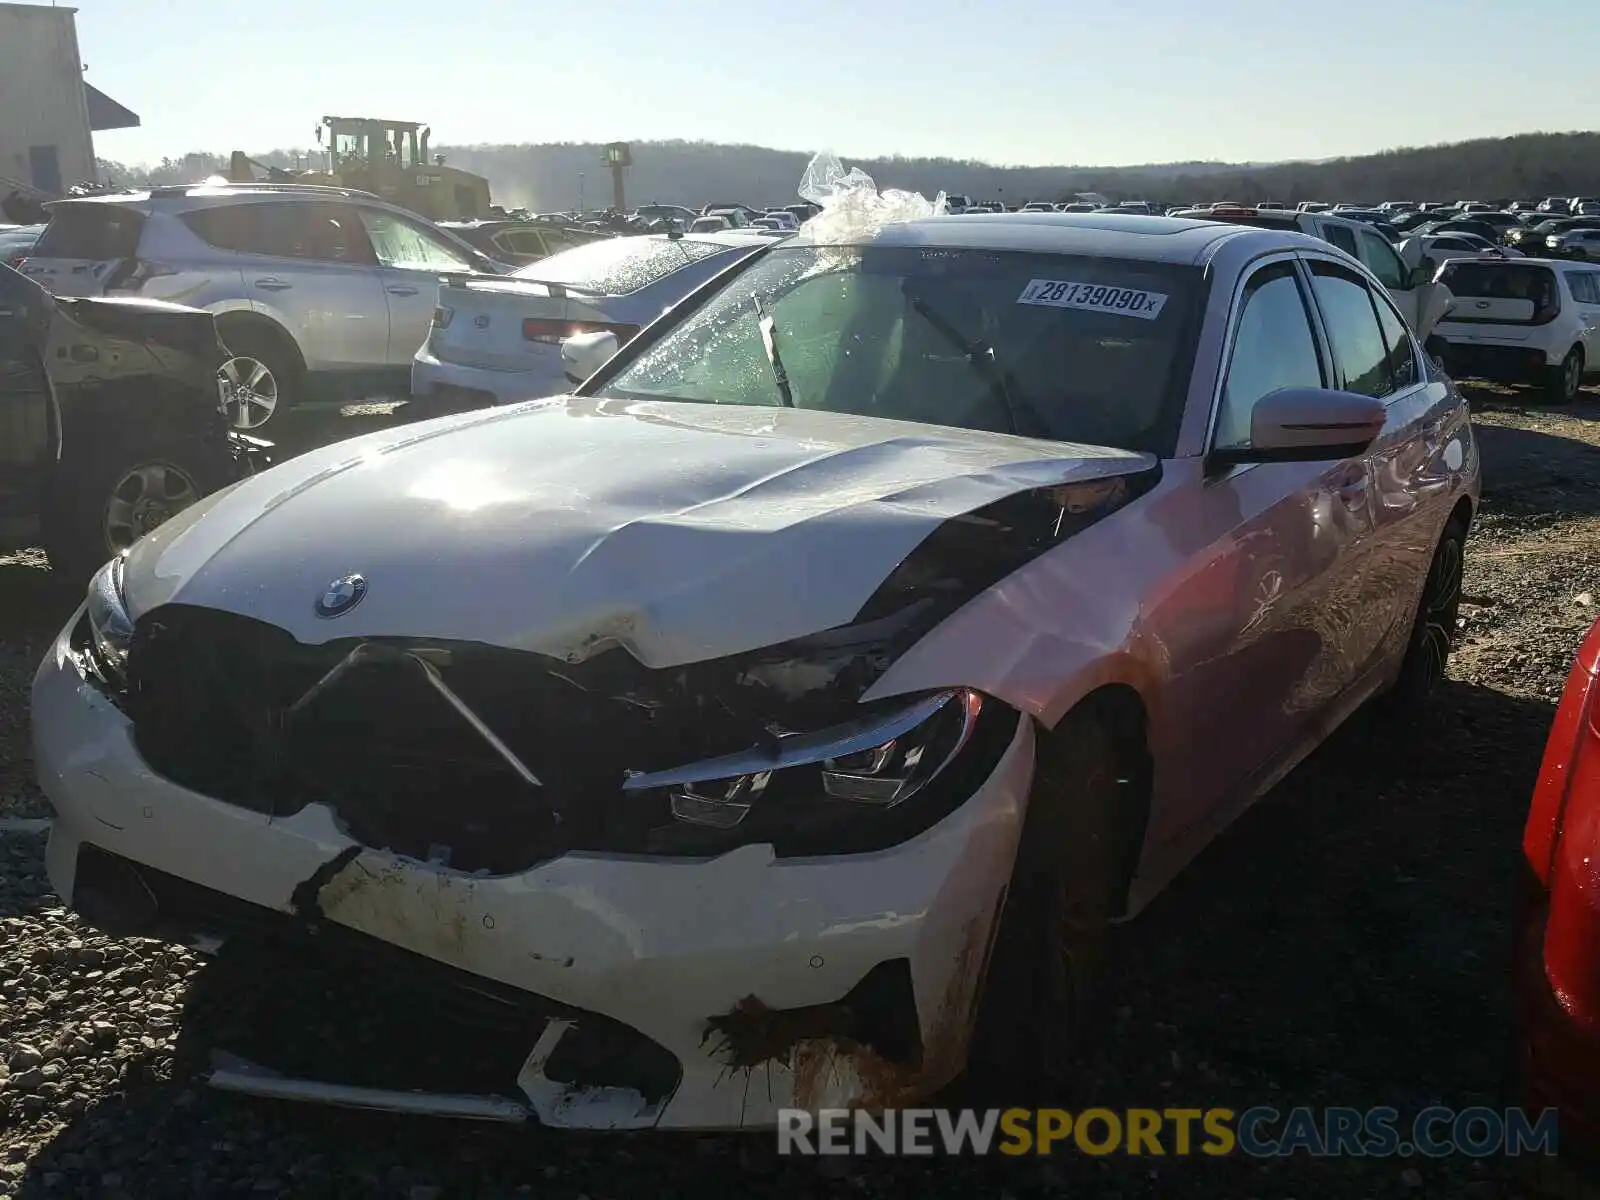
[1017,82]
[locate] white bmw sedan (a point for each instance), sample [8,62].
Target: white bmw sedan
[784,718]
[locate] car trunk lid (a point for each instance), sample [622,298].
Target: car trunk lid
[508,325]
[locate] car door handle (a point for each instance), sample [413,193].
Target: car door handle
[273,285]
[401,289]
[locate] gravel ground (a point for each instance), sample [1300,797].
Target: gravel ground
[1346,943]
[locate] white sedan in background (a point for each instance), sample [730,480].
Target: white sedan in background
[497,340]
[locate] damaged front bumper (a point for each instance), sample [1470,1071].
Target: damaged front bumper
[749,982]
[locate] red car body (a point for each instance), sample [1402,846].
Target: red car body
[1558,925]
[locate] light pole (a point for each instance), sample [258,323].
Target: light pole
[580,193]
[618,156]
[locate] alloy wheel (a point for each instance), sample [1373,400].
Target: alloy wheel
[1571,375]
[144,498]
[249,391]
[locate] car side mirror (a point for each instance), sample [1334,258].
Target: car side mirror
[585,353]
[1309,425]
[1423,272]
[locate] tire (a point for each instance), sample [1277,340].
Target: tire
[1433,629]
[1072,862]
[263,380]
[1561,383]
[99,507]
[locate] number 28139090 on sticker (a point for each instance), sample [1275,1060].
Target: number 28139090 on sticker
[1095,297]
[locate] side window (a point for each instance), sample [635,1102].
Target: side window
[1380,258]
[399,243]
[327,233]
[1402,361]
[528,241]
[1583,288]
[509,243]
[1341,237]
[1353,329]
[319,232]
[1273,348]
[248,228]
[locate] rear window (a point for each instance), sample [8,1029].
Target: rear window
[1498,281]
[92,231]
[620,266]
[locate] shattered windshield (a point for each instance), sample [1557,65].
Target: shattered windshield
[1044,345]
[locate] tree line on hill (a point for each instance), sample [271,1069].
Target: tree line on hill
[560,176]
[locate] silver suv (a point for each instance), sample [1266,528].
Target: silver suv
[319,293]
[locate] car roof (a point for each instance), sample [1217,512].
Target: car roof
[185,197]
[1095,235]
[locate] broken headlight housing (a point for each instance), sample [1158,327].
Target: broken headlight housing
[846,788]
[110,626]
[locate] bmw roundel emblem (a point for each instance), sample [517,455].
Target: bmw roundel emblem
[341,596]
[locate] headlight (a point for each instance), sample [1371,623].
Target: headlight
[110,626]
[822,787]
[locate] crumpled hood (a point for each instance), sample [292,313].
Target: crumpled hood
[681,531]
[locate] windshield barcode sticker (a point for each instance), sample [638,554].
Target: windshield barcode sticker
[1095,297]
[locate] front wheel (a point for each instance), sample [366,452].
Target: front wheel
[1055,920]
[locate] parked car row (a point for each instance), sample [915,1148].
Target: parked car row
[326,293]
[1483,310]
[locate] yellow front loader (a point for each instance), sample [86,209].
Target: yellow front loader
[387,158]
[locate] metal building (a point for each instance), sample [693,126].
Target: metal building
[48,114]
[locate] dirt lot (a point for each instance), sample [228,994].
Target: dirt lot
[1345,944]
